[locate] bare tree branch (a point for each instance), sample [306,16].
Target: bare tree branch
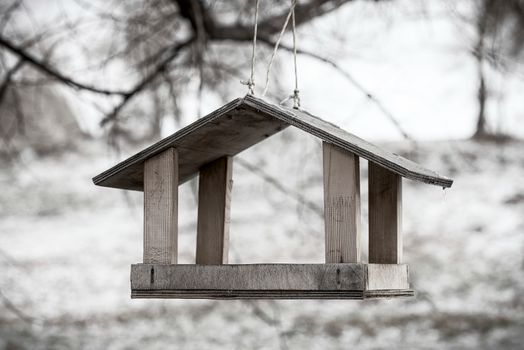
[205,26]
[275,321]
[159,69]
[8,77]
[349,78]
[49,70]
[198,17]
[19,313]
[278,185]
[304,12]
[8,12]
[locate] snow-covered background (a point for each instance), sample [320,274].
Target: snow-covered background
[66,246]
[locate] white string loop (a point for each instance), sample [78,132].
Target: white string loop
[251,82]
[296,96]
[277,44]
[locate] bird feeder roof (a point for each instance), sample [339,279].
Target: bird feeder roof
[243,123]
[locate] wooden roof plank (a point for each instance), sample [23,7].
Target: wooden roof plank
[225,132]
[337,136]
[241,124]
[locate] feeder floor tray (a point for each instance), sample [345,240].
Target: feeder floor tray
[270,281]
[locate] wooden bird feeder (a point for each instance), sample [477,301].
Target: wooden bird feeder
[206,148]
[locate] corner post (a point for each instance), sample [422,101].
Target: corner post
[214,198]
[161,208]
[341,204]
[385,216]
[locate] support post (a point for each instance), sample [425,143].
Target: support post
[161,208]
[341,204]
[385,216]
[214,198]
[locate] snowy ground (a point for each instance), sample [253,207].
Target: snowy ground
[66,247]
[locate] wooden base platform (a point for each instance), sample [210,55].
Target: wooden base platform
[270,281]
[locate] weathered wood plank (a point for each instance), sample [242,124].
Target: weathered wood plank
[254,277]
[225,132]
[239,125]
[333,134]
[341,205]
[388,294]
[385,216]
[387,276]
[265,294]
[214,198]
[268,281]
[161,208]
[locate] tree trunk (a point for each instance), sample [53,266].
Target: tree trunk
[479,54]
[482,96]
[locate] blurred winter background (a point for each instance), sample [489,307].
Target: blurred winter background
[84,84]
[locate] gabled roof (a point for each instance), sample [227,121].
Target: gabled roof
[241,124]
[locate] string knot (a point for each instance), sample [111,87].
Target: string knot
[251,82]
[250,85]
[296,99]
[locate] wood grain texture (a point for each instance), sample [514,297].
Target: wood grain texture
[214,198]
[225,132]
[263,294]
[241,124]
[388,294]
[333,134]
[341,205]
[250,277]
[269,281]
[385,216]
[387,276]
[161,208]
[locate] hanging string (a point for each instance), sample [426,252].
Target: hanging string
[251,82]
[296,96]
[291,11]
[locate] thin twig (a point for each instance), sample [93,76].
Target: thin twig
[278,185]
[47,69]
[11,307]
[8,13]
[8,78]
[160,68]
[275,321]
[352,80]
